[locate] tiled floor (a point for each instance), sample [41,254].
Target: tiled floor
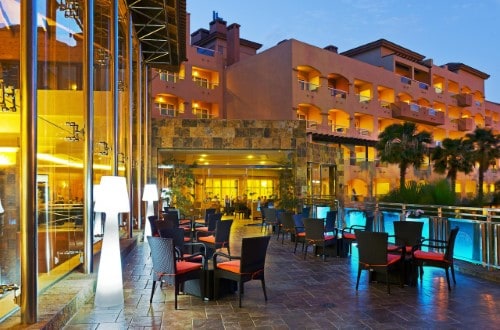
[303,294]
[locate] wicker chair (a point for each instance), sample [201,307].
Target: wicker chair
[180,245]
[167,269]
[249,266]
[220,238]
[300,234]
[209,229]
[407,234]
[315,236]
[373,255]
[436,259]
[287,225]
[349,233]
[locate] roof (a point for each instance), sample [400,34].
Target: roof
[397,49]
[454,67]
[160,26]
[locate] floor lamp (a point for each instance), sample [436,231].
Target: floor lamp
[113,199]
[150,195]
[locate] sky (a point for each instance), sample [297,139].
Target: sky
[465,31]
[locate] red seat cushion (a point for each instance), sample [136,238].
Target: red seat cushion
[186,266]
[349,236]
[187,239]
[329,237]
[393,258]
[202,229]
[232,266]
[428,255]
[303,234]
[207,239]
[392,247]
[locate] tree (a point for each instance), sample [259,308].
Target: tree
[485,151]
[288,200]
[181,180]
[454,156]
[402,144]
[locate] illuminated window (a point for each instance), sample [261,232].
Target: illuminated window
[166,109]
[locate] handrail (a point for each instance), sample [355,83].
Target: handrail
[478,240]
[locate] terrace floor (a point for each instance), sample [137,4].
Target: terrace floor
[303,294]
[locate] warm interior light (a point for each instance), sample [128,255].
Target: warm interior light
[97,215]
[150,195]
[113,199]
[73,163]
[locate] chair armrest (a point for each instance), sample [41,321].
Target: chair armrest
[352,228]
[216,254]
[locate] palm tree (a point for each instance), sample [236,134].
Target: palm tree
[402,144]
[485,152]
[454,156]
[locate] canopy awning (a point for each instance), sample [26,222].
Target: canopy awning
[160,26]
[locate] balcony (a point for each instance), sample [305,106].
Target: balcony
[416,113]
[465,124]
[464,100]
[488,121]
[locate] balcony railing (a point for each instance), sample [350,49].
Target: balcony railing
[418,113]
[204,83]
[337,93]
[363,99]
[385,104]
[308,86]
[339,129]
[405,80]
[205,51]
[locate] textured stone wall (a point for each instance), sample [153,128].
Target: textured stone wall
[231,134]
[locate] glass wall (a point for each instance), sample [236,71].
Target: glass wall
[61,131]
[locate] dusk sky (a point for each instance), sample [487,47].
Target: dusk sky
[465,31]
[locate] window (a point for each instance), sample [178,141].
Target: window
[202,82]
[202,113]
[169,76]
[166,109]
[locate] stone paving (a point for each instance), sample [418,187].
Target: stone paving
[303,294]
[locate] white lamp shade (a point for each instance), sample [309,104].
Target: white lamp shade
[113,195]
[96,192]
[150,193]
[1,207]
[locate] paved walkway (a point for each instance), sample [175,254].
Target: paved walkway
[303,294]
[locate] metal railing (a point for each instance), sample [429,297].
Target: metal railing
[478,239]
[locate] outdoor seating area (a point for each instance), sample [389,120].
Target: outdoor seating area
[296,293]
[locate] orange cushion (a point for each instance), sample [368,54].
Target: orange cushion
[232,266]
[329,237]
[202,229]
[428,255]
[303,234]
[187,239]
[186,266]
[348,236]
[393,258]
[207,239]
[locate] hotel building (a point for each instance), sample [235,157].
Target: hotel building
[138,93]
